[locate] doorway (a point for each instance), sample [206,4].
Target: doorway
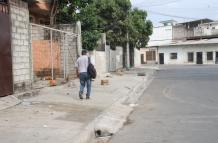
[142,59]
[199,58]
[216,57]
[161,58]
[6,80]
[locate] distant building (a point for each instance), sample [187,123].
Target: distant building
[193,42]
[42,11]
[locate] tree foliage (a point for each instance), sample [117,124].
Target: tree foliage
[68,10]
[113,17]
[139,28]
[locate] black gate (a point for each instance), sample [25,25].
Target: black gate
[161,58]
[199,58]
[216,57]
[6,80]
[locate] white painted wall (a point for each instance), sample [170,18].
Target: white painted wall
[109,60]
[182,53]
[137,57]
[100,62]
[162,33]
[119,57]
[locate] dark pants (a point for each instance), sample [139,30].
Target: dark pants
[85,81]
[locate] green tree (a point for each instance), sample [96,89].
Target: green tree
[68,10]
[113,15]
[84,11]
[139,28]
[89,23]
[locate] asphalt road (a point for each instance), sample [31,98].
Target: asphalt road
[179,106]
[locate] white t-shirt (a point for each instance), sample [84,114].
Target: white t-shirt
[82,63]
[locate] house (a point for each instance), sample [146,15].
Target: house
[43,11]
[20,41]
[193,42]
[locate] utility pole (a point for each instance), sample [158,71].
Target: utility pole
[127,52]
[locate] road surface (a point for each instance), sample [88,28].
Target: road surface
[179,106]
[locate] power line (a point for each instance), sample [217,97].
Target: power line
[158,4]
[170,15]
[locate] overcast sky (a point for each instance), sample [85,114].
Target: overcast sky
[186,9]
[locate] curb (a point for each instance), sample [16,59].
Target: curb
[15,99]
[8,102]
[112,119]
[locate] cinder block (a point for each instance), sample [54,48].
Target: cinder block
[22,13]
[16,23]
[17,36]
[16,78]
[20,43]
[25,43]
[24,37]
[19,18]
[27,76]
[22,77]
[27,65]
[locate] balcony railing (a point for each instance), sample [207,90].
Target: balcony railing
[207,32]
[4,8]
[214,32]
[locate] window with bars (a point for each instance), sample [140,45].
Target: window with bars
[209,56]
[4,6]
[173,56]
[190,57]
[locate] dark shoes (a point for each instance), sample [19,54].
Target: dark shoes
[87,97]
[81,97]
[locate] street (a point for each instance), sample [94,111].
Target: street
[179,106]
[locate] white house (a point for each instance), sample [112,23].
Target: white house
[181,43]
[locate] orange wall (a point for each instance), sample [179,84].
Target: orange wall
[42,55]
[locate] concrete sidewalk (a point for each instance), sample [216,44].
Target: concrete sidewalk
[58,115]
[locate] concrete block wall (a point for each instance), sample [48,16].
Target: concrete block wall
[70,48]
[20,46]
[39,33]
[114,58]
[137,57]
[100,62]
[119,58]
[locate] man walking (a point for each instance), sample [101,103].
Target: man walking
[81,69]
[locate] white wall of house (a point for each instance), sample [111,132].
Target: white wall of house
[137,57]
[161,35]
[182,53]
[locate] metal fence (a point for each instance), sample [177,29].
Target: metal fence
[54,52]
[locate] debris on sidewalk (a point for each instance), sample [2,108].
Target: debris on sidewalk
[133,105]
[104,82]
[52,82]
[141,74]
[78,122]
[108,75]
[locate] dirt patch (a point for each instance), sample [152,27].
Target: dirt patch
[73,112]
